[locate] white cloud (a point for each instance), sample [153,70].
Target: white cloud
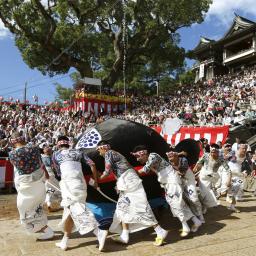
[223,10]
[4,32]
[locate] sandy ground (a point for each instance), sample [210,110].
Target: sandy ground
[224,234]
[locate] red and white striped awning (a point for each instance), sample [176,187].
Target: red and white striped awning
[212,134]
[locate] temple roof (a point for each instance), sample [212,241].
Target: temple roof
[203,42]
[239,23]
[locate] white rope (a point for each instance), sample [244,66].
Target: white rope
[91,182]
[124,38]
[110,199]
[47,181]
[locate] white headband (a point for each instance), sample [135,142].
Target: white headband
[106,147]
[139,153]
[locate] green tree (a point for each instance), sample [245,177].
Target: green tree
[187,78]
[87,35]
[63,93]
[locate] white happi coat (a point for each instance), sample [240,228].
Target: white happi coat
[209,179]
[171,182]
[191,193]
[237,180]
[30,200]
[132,206]
[29,182]
[74,190]
[52,187]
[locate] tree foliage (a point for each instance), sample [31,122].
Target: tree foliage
[187,78]
[87,35]
[63,93]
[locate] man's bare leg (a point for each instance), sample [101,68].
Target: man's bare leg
[125,233]
[68,226]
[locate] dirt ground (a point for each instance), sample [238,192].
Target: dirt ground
[224,234]
[8,209]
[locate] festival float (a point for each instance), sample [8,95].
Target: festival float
[123,136]
[88,97]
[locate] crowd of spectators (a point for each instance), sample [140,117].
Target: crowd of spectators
[228,99]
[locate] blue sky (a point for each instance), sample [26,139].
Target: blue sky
[14,72]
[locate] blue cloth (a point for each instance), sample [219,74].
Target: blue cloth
[104,212]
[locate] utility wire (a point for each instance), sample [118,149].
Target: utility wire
[30,81]
[33,86]
[59,56]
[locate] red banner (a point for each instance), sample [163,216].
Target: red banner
[213,134]
[6,173]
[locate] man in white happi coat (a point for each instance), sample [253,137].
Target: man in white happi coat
[133,212]
[171,182]
[30,175]
[239,171]
[224,182]
[208,166]
[76,215]
[180,163]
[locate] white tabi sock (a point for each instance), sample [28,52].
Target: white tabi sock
[63,244]
[160,232]
[197,224]
[125,235]
[201,218]
[102,235]
[196,221]
[47,234]
[185,226]
[95,231]
[232,207]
